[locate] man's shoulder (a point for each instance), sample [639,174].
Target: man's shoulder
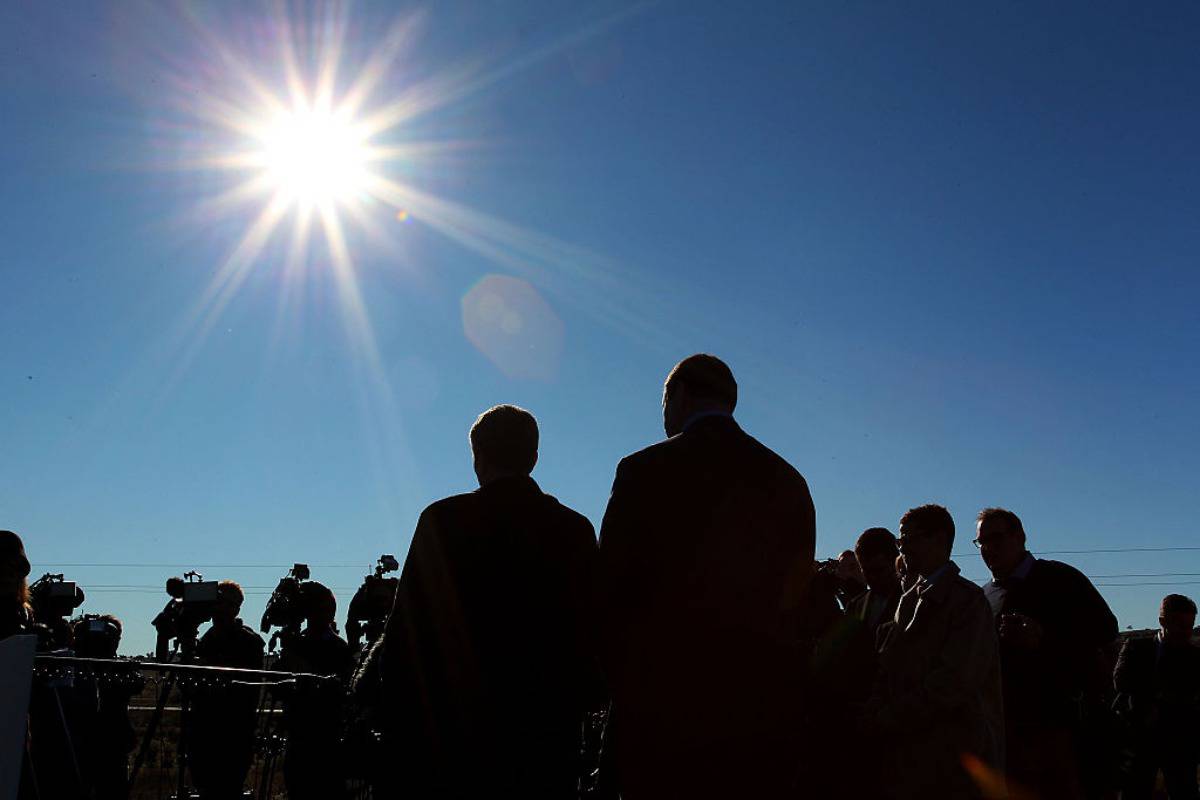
[1047,569]
[967,590]
[453,504]
[567,517]
[1139,646]
[250,636]
[732,442]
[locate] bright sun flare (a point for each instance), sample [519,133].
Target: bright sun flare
[314,157]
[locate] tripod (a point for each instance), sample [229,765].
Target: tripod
[185,649]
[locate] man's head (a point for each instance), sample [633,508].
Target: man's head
[876,551]
[319,603]
[229,603]
[504,442]
[926,538]
[698,384]
[1177,617]
[1001,540]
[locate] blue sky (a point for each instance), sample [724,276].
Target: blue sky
[949,251]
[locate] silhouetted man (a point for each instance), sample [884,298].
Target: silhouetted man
[1052,625]
[938,698]
[876,552]
[1160,681]
[223,718]
[706,546]
[844,672]
[489,654]
[313,766]
[104,722]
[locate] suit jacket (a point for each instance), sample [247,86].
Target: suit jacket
[705,538]
[489,655]
[1162,684]
[939,695]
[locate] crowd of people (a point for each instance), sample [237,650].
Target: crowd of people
[725,661]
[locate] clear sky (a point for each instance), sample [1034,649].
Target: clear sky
[949,250]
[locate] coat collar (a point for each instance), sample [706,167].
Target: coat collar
[937,589]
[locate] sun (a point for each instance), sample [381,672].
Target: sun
[314,157]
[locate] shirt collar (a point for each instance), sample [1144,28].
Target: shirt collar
[694,418]
[1022,570]
[932,577]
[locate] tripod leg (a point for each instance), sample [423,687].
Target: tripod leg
[151,727]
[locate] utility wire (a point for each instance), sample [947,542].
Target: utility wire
[361,565]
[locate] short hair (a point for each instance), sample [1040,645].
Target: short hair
[506,437]
[706,377]
[1010,521]
[115,621]
[876,541]
[1177,602]
[318,596]
[225,588]
[932,518]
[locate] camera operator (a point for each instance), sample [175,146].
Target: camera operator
[313,761]
[103,721]
[223,718]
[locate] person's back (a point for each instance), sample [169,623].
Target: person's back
[489,653]
[702,537]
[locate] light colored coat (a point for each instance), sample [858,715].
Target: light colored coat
[938,701]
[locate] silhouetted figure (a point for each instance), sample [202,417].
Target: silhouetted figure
[705,550]
[1159,680]
[851,576]
[876,552]
[1052,625]
[938,699]
[844,673]
[101,726]
[313,763]
[16,619]
[222,722]
[489,654]
[16,615]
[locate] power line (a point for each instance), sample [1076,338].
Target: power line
[361,565]
[1091,551]
[114,564]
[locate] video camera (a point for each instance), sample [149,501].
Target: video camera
[191,605]
[54,597]
[53,601]
[372,603]
[288,608]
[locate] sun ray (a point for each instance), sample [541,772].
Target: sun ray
[355,313]
[374,71]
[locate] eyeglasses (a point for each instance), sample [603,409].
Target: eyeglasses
[911,536]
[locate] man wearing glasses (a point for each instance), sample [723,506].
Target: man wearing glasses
[938,699]
[1053,626]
